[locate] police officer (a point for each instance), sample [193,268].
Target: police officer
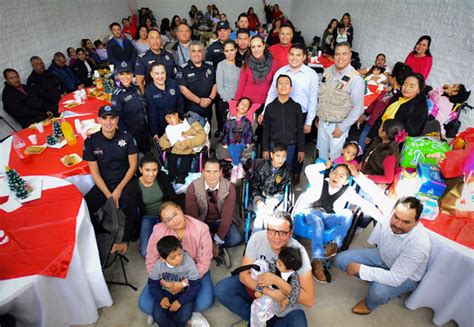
[129,104]
[155,53]
[162,95]
[197,82]
[112,159]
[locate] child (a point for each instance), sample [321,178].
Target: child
[341,33]
[268,184]
[238,136]
[381,159]
[323,205]
[348,155]
[263,307]
[184,140]
[100,49]
[376,75]
[175,265]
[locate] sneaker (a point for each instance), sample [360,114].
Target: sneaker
[330,250]
[240,171]
[233,175]
[318,271]
[150,320]
[198,320]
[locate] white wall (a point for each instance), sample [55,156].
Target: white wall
[232,8]
[43,27]
[393,27]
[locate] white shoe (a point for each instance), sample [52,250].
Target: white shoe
[150,320]
[198,320]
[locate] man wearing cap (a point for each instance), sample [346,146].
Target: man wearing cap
[155,53]
[197,82]
[129,104]
[112,159]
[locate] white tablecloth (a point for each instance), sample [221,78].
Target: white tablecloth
[448,284]
[49,301]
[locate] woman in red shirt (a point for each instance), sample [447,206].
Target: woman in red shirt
[253,19]
[420,59]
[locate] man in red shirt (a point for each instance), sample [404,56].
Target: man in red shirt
[280,51]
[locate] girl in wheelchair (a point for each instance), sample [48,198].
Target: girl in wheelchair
[183,140]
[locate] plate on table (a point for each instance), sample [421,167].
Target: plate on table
[36,149]
[71,159]
[57,145]
[36,187]
[70,104]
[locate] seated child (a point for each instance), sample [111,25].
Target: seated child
[348,155]
[341,33]
[175,265]
[324,207]
[381,159]
[184,140]
[376,76]
[101,49]
[268,185]
[264,308]
[238,136]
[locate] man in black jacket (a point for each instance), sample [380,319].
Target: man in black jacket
[20,102]
[283,123]
[119,48]
[45,84]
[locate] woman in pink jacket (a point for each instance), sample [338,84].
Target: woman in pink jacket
[196,240]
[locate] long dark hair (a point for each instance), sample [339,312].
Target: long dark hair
[137,33]
[173,24]
[249,53]
[149,79]
[165,26]
[400,71]
[427,38]
[330,23]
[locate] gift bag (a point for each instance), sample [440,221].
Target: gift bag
[459,200]
[422,149]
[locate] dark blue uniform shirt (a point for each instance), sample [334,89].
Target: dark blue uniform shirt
[147,58]
[129,103]
[215,53]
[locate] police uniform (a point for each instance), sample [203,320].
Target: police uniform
[200,81]
[159,102]
[147,58]
[111,156]
[215,53]
[129,104]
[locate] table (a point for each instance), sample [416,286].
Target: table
[89,106]
[49,301]
[448,284]
[48,163]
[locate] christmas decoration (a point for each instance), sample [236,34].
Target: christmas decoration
[366,90]
[109,85]
[51,140]
[57,132]
[17,184]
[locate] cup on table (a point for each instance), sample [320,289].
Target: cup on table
[111,67]
[320,53]
[77,97]
[33,139]
[40,127]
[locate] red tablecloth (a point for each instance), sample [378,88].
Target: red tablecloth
[368,99]
[326,61]
[458,229]
[89,106]
[48,163]
[42,238]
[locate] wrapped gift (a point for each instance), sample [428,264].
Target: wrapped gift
[432,182]
[422,149]
[430,207]
[405,183]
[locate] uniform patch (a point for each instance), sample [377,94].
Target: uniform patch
[179,75]
[98,152]
[122,143]
[209,72]
[278,179]
[191,75]
[172,92]
[128,98]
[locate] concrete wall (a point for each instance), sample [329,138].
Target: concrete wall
[43,27]
[393,27]
[232,8]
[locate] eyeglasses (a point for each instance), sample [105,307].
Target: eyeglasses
[210,194]
[275,232]
[173,217]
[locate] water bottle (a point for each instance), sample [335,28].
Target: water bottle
[19,146]
[68,133]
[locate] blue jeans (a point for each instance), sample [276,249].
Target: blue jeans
[363,136]
[290,155]
[235,151]
[379,294]
[233,237]
[203,300]
[148,222]
[167,318]
[322,221]
[233,295]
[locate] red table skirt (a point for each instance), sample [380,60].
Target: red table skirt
[368,99]
[89,106]
[458,229]
[48,163]
[42,235]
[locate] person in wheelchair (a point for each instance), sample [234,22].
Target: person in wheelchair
[324,208]
[268,184]
[184,140]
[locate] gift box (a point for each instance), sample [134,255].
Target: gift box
[430,207]
[432,182]
[422,149]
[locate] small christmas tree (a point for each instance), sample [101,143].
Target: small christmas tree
[109,86]
[57,132]
[366,90]
[51,140]
[17,184]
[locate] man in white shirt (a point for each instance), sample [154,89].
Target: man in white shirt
[399,262]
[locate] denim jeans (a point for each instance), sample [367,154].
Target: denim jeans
[233,295]
[363,136]
[167,318]
[203,300]
[148,222]
[233,237]
[379,294]
[322,221]
[235,151]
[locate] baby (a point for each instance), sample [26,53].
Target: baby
[376,75]
[341,33]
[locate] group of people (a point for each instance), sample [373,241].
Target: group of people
[265,97]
